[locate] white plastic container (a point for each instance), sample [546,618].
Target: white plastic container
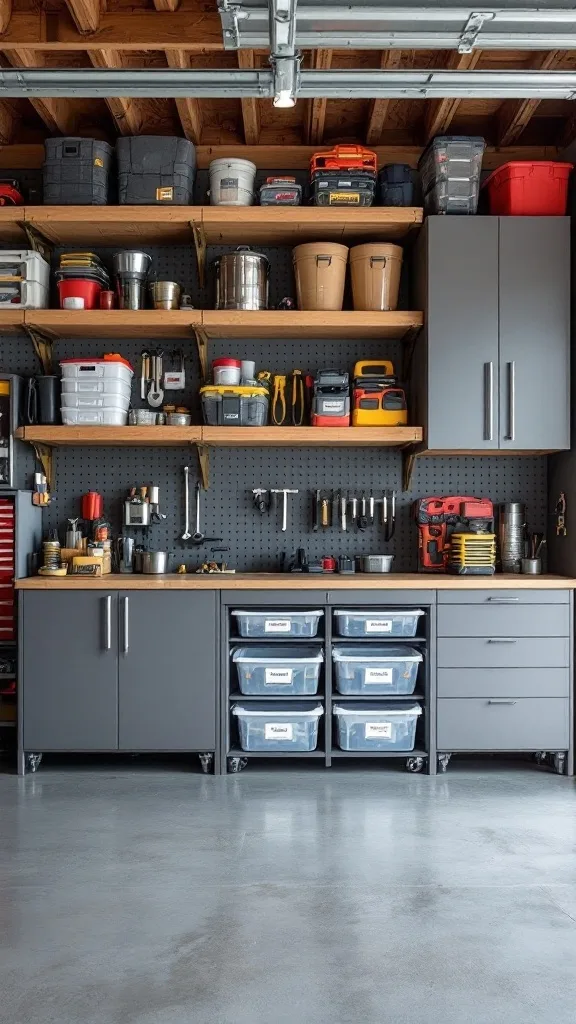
[287,622]
[32,291]
[279,670]
[278,727]
[95,401]
[103,386]
[387,727]
[386,670]
[232,182]
[94,417]
[226,372]
[97,369]
[380,622]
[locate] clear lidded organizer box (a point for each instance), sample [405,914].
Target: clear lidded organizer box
[263,727]
[381,727]
[278,671]
[373,670]
[288,622]
[383,622]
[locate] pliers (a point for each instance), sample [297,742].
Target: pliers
[279,401]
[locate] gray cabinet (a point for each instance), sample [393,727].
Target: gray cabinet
[69,671]
[167,671]
[496,293]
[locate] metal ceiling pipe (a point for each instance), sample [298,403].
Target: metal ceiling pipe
[333,84]
[284,60]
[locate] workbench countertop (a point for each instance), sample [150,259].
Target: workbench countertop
[298,581]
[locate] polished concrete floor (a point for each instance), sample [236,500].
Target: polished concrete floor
[135,896]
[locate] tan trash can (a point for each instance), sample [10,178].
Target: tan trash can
[375,270]
[320,271]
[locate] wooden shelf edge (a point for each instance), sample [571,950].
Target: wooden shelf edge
[112,436]
[221,437]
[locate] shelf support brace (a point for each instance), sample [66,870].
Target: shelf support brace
[37,241]
[43,346]
[200,246]
[44,454]
[408,467]
[202,346]
[203,453]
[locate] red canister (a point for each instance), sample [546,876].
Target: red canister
[328,564]
[107,300]
[92,505]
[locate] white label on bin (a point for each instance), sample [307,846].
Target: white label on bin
[328,406]
[277,625]
[378,675]
[378,625]
[278,731]
[378,731]
[283,676]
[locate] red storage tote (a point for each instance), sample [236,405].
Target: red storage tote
[80,288]
[529,188]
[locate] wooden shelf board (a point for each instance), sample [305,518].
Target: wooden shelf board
[115,323]
[293,225]
[164,437]
[321,437]
[309,324]
[115,225]
[11,320]
[10,225]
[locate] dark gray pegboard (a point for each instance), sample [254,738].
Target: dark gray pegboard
[255,541]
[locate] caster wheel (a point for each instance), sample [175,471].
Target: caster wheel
[443,762]
[32,762]
[237,764]
[559,761]
[414,764]
[540,757]
[206,762]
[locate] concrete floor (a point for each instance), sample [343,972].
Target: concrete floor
[132,896]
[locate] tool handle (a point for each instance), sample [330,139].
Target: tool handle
[284,511]
[197,533]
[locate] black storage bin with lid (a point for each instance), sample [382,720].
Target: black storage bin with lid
[76,172]
[395,185]
[155,169]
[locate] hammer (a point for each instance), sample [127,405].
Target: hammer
[284,492]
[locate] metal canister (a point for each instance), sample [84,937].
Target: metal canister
[242,279]
[511,535]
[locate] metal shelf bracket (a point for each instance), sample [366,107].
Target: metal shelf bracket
[43,346]
[37,241]
[408,467]
[202,346]
[203,453]
[200,246]
[45,456]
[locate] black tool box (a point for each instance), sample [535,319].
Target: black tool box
[333,188]
[155,169]
[76,172]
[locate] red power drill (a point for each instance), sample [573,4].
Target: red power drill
[436,518]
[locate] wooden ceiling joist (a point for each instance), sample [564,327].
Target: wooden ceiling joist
[189,109]
[86,14]
[126,112]
[515,114]
[193,29]
[6,123]
[57,114]
[166,5]
[440,113]
[5,15]
[391,61]
[250,108]
[316,112]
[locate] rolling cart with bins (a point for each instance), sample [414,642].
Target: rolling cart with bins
[319,607]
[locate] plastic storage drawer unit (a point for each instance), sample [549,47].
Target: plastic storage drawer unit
[289,728]
[274,671]
[278,623]
[450,169]
[384,622]
[387,727]
[376,670]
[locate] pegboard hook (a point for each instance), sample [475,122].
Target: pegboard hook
[203,454]
[200,245]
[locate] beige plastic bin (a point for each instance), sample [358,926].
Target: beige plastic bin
[320,271]
[375,271]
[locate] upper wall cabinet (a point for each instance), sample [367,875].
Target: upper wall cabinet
[491,368]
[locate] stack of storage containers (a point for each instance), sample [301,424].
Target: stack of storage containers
[450,169]
[378,670]
[289,670]
[96,391]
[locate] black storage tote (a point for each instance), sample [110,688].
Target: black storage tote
[155,169]
[76,172]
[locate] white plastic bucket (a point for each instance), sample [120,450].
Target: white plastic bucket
[232,182]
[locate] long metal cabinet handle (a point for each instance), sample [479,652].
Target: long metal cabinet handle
[501,640]
[512,401]
[503,600]
[108,623]
[501,700]
[126,626]
[488,401]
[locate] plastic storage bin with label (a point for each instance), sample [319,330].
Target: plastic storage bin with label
[400,622]
[277,671]
[284,623]
[288,728]
[383,727]
[376,670]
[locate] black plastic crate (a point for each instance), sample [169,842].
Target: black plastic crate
[155,169]
[76,172]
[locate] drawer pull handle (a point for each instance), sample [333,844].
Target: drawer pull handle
[502,640]
[501,700]
[503,600]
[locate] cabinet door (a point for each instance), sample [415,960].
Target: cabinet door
[534,333]
[70,671]
[462,325]
[167,670]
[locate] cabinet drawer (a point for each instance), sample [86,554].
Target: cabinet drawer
[531,723]
[504,682]
[503,597]
[504,620]
[506,652]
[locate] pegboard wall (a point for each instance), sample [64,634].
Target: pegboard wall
[255,541]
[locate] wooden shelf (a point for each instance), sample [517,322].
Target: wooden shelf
[11,320]
[11,232]
[224,437]
[115,323]
[130,226]
[308,324]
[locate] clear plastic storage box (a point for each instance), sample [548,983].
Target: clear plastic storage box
[371,727]
[383,622]
[276,671]
[376,670]
[290,728]
[277,623]
[450,169]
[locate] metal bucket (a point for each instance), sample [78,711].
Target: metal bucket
[511,535]
[242,280]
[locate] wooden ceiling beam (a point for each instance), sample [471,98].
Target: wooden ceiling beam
[441,113]
[58,114]
[391,60]
[86,14]
[7,122]
[250,107]
[191,28]
[514,115]
[5,15]
[126,112]
[166,5]
[189,109]
[316,110]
